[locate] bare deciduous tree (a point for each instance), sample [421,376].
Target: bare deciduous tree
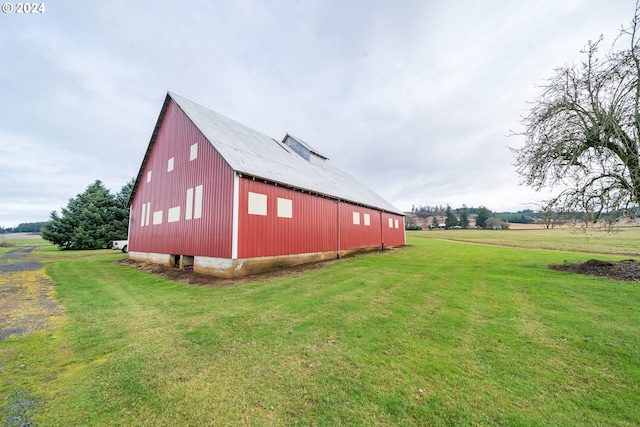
[582,134]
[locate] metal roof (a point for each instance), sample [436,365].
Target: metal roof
[249,152]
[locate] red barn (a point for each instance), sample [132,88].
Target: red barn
[223,199]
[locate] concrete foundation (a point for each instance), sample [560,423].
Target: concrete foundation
[230,268]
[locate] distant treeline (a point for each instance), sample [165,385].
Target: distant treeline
[526,216]
[520,217]
[25,227]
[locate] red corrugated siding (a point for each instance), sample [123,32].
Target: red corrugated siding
[210,235]
[393,235]
[355,236]
[312,228]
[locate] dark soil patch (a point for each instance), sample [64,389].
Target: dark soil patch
[193,278]
[628,270]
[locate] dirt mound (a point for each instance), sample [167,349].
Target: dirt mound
[628,270]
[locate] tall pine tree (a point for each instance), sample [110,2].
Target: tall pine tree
[464,217]
[91,220]
[451,219]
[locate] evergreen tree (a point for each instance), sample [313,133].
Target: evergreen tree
[464,217]
[90,221]
[483,215]
[451,219]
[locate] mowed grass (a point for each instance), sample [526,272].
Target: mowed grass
[438,333]
[619,241]
[21,239]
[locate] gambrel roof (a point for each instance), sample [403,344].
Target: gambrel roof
[251,153]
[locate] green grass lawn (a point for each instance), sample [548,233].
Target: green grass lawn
[438,333]
[21,239]
[621,241]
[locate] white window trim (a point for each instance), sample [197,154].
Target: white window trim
[157,218]
[197,203]
[193,152]
[146,220]
[144,214]
[257,204]
[173,215]
[188,210]
[356,218]
[285,208]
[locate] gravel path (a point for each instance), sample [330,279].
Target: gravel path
[26,295]
[19,259]
[26,306]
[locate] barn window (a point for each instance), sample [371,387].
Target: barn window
[174,214]
[146,213]
[197,204]
[356,218]
[396,223]
[149,176]
[157,217]
[390,222]
[285,208]
[367,219]
[193,205]
[257,204]
[193,153]
[144,209]
[188,210]
[170,164]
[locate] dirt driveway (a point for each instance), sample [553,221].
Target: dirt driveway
[26,295]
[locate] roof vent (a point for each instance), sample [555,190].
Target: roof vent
[305,151]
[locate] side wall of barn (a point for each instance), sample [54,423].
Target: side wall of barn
[275,221]
[393,232]
[184,201]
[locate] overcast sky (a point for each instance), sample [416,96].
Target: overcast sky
[414,98]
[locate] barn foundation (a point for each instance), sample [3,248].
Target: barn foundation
[231,268]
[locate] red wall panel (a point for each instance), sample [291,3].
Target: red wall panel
[315,226]
[210,235]
[361,235]
[393,232]
[311,228]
